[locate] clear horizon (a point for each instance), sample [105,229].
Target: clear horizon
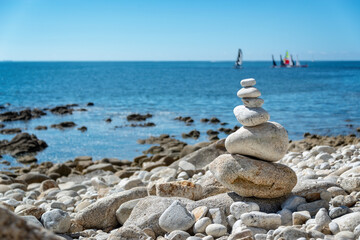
[64,30]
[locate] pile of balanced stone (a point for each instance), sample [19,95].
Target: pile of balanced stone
[249,169]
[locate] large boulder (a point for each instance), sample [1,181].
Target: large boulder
[203,156]
[253,178]
[102,213]
[148,210]
[267,141]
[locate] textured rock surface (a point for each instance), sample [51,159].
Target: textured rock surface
[252,178]
[261,220]
[56,220]
[147,212]
[176,217]
[267,141]
[184,189]
[102,213]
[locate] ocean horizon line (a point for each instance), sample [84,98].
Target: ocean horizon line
[162,61]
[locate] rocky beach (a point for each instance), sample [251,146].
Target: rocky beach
[253,184]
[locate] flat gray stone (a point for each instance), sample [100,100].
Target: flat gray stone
[248,92]
[252,102]
[248,82]
[250,117]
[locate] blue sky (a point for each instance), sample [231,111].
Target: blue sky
[178,30]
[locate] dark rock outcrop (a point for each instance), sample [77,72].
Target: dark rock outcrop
[23,115]
[10,131]
[63,125]
[22,143]
[138,117]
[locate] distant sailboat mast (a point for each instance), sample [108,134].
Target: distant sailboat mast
[297,61]
[281,61]
[274,63]
[239,59]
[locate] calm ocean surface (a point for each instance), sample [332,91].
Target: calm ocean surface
[323,98]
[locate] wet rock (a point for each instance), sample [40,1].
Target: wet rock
[148,124]
[22,143]
[27,159]
[187,120]
[61,110]
[138,117]
[10,131]
[63,125]
[41,128]
[82,129]
[23,115]
[192,134]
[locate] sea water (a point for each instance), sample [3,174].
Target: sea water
[322,99]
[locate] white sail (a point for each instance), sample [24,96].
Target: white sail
[297,61]
[239,60]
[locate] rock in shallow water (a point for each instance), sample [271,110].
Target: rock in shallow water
[251,116]
[253,178]
[267,141]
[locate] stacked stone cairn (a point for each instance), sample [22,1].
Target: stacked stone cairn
[249,169]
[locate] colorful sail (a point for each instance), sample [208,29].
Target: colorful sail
[287,59]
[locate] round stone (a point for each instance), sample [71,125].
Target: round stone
[216,230]
[248,92]
[253,178]
[251,116]
[252,102]
[56,220]
[267,141]
[248,82]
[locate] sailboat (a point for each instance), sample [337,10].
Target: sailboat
[274,63]
[288,62]
[238,63]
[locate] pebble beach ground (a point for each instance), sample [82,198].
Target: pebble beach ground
[176,191]
[114,199]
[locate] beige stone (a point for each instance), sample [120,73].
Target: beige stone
[267,141]
[253,178]
[185,189]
